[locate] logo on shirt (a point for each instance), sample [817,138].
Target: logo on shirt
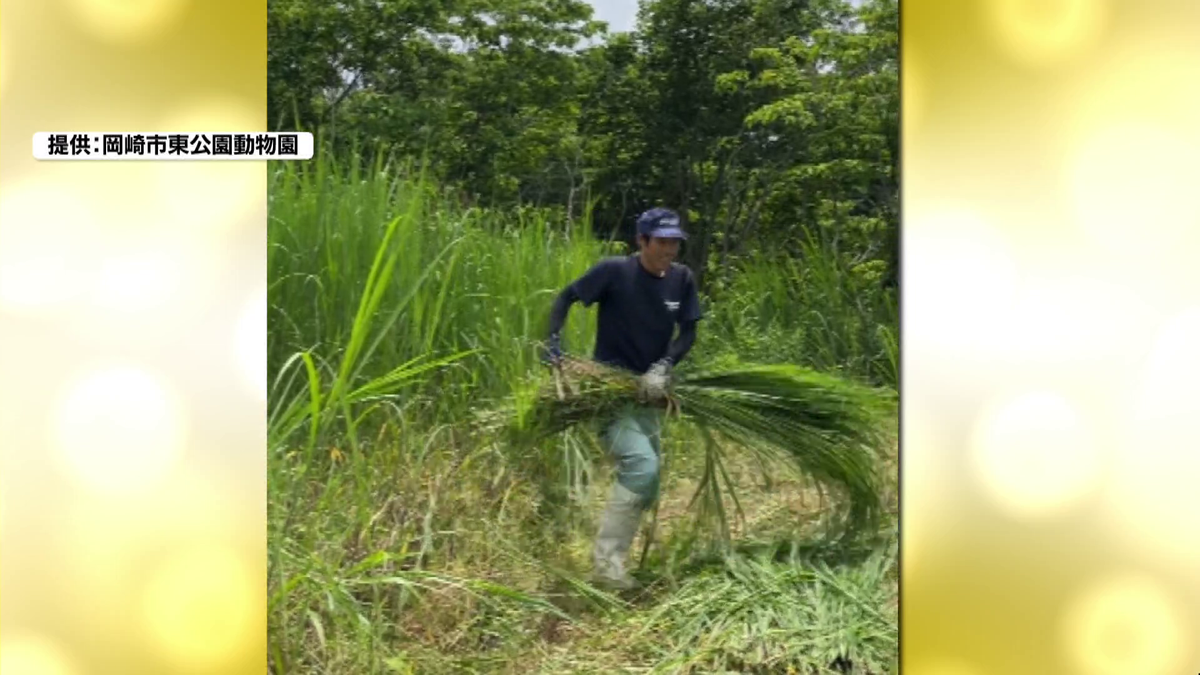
[672,305]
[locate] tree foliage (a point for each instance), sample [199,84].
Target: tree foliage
[769,124]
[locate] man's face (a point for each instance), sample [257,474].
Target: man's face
[659,253]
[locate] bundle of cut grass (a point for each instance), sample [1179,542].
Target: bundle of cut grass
[821,425]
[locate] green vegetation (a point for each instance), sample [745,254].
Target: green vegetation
[771,125]
[822,426]
[412,265]
[401,533]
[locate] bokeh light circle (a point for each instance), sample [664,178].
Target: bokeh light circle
[198,607]
[1043,32]
[24,653]
[115,536]
[1034,455]
[1124,625]
[127,21]
[119,429]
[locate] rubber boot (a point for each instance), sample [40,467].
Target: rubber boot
[618,526]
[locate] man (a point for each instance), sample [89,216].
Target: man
[642,298]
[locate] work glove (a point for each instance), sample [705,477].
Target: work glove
[552,355]
[652,386]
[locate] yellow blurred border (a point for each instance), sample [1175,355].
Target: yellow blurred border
[132,418]
[1051,375]
[1050,233]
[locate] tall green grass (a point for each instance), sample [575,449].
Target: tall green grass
[379,269]
[817,310]
[403,540]
[372,269]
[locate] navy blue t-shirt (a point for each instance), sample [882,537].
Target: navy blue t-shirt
[638,311]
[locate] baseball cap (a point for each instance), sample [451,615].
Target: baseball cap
[660,222]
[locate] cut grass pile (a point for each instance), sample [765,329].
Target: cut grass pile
[819,425]
[767,616]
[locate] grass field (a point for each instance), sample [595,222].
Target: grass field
[402,540]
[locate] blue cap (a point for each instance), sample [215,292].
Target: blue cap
[660,222]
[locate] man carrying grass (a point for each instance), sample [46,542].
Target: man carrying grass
[642,297]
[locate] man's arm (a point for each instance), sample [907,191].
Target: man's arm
[682,344]
[587,289]
[561,308]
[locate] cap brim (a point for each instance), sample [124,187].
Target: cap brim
[669,233]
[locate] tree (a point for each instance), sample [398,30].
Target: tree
[767,123]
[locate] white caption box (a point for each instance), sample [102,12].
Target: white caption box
[172,146]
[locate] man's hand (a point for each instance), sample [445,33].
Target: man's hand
[653,385]
[552,355]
